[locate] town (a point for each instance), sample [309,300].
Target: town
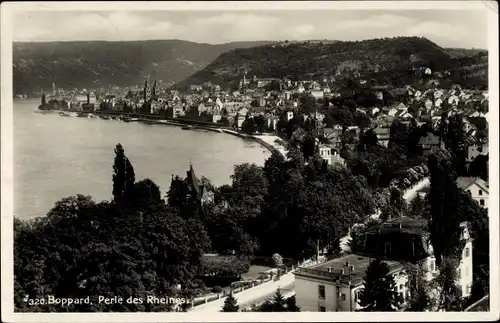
[398,155]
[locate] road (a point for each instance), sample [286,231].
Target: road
[252,295]
[286,291]
[271,140]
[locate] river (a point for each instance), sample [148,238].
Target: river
[56,157]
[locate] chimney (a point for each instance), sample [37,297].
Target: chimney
[347,263]
[342,272]
[352,268]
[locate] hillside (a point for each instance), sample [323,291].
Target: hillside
[463,52]
[90,63]
[385,60]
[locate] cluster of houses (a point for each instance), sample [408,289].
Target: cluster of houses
[279,98]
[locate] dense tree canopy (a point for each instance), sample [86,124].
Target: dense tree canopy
[378,293]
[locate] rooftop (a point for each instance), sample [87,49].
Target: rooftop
[347,269]
[429,139]
[465,182]
[403,224]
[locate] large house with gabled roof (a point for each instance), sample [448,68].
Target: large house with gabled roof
[477,187]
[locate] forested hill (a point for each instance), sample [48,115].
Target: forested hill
[386,60]
[89,63]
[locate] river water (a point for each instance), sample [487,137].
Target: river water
[56,157]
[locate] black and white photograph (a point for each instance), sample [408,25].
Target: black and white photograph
[190,159]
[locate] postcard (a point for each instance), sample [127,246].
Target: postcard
[249,161]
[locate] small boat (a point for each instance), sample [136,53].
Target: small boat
[187,128]
[82,115]
[103,117]
[130,119]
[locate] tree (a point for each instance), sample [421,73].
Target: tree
[129,179]
[119,176]
[378,293]
[307,103]
[248,126]
[178,194]
[420,300]
[445,283]
[124,176]
[277,260]
[260,123]
[308,146]
[291,304]
[455,142]
[230,304]
[279,302]
[479,167]
[367,140]
[445,208]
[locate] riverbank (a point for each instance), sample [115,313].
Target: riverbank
[268,141]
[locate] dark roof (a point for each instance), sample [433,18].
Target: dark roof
[407,237]
[193,180]
[429,139]
[403,224]
[465,182]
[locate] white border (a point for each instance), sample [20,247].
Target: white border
[7,160]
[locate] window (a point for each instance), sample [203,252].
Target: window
[406,284]
[321,291]
[387,248]
[480,192]
[322,309]
[466,252]
[342,297]
[401,287]
[469,288]
[481,202]
[466,271]
[459,272]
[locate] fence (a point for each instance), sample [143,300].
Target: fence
[272,275]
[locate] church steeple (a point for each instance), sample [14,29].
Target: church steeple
[153,93]
[146,89]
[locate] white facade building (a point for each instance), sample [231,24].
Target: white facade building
[335,286]
[478,188]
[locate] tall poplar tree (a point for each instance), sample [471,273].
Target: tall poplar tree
[445,207]
[119,169]
[124,175]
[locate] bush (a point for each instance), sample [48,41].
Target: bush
[217,289]
[199,283]
[278,260]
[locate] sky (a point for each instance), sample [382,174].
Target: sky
[447,28]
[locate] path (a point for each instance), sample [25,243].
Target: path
[287,291]
[271,140]
[252,295]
